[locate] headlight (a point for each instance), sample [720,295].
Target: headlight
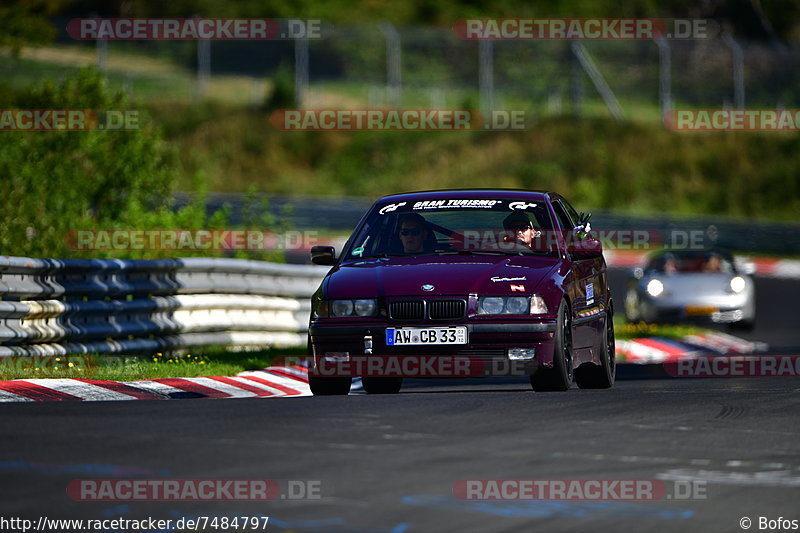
[365,307]
[737,284]
[511,305]
[655,288]
[490,306]
[517,305]
[341,308]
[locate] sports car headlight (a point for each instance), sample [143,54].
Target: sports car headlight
[655,288]
[363,307]
[737,284]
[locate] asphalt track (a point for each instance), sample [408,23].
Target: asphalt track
[389,463]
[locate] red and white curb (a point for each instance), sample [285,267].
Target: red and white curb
[285,381]
[661,350]
[277,381]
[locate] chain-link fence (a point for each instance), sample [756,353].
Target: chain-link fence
[381,66]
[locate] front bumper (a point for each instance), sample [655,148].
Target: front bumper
[722,310]
[487,348]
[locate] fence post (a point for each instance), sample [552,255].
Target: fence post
[393,63]
[664,76]
[102,50]
[586,61]
[575,85]
[737,56]
[486,74]
[300,70]
[203,66]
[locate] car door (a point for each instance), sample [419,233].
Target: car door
[584,293]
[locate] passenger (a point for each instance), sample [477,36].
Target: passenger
[713,264]
[670,266]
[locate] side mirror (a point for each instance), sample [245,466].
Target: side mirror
[586,247]
[323,255]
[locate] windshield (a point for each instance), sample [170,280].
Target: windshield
[455,226]
[696,261]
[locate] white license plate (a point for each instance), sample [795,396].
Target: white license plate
[416,336]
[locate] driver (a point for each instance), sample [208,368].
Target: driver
[413,233]
[519,226]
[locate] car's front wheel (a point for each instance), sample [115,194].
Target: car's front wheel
[558,378]
[602,376]
[382,385]
[329,386]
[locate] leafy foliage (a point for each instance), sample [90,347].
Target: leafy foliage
[56,182]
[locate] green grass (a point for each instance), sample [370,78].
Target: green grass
[211,361]
[635,166]
[624,330]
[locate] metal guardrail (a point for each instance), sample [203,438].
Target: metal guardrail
[53,306]
[316,213]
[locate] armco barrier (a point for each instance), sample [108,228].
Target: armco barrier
[52,306]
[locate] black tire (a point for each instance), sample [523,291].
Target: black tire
[324,386]
[382,385]
[743,325]
[602,376]
[329,386]
[558,378]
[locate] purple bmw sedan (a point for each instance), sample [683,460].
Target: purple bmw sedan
[467,282]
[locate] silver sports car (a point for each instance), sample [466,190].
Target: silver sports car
[692,286]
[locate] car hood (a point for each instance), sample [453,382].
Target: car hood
[449,276]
